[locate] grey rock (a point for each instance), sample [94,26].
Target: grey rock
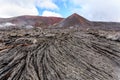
[69,55]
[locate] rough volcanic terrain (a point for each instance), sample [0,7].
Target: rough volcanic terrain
[60,54]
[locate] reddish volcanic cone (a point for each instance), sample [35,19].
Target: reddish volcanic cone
[74,20]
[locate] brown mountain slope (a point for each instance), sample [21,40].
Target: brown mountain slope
[37,21]
[74,20]
[78,21]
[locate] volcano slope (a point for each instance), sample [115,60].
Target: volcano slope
[74,21]
[59,55]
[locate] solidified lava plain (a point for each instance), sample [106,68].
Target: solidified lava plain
[59,54]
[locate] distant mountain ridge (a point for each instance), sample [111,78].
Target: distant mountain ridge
[72,21]
[36,21]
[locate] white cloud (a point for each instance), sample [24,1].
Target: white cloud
[46,4]
[107,10]
[50,13]
[10,8]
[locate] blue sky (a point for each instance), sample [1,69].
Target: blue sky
[100,10]
[59,7]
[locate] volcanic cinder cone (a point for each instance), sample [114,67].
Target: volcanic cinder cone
[74,20]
